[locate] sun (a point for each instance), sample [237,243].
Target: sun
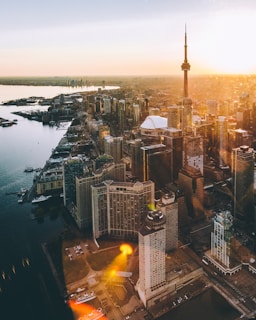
[225,45]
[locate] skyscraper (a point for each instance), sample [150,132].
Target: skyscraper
[221,237]
[114,147]
[152,271]
[193,152]
[242,169]
[127,207]
[174,117]
[83,211]
[222,141]
[168,205]
[72,168]
[119,208]
[156,164]
[136,155]
[99,209]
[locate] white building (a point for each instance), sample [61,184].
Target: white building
[221,237]
[152,277]
[168,205]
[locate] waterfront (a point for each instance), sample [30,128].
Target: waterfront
[28,287]
[208,305]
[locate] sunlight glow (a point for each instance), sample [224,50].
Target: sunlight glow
[119,263]
[225,46]
[84,311]
[126,249]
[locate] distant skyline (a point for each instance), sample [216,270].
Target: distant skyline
[119,37]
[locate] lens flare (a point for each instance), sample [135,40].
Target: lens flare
[119,264]
[84,311]
[126,249]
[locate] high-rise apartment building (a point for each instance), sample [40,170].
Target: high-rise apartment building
[168,205]
[187,116]
[72,168]
[173,140]
[212,106]
[221,135]
[127,204]
[83,211]
[148,163]
[221,237]
[121,115]
[174,117]
[119,208]
[114,147]
[99,209]
[191,182]
[104,131]
[193,153]
[107,105]
[152,269]
[135,152]
[239,137]
[242,169]
[136,113]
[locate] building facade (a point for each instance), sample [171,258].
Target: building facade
[127,205]
[152,271]
[242,168]
[82,213]
[114,147]
[72,168]
[221,237]
[168,205]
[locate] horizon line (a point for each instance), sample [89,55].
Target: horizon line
[127,75]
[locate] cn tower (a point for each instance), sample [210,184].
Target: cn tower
[185,67]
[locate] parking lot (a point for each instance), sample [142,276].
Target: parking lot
[77,250]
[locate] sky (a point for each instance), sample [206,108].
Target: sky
[126,37]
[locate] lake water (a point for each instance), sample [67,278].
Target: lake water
[28,289]
[207,306]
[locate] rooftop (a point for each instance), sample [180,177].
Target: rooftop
[154,122]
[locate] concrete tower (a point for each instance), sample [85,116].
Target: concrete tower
[187,102]
[185,67]
[152,271]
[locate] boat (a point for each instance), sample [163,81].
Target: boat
[85,297]
[41,199]
[6,123]
[29,169]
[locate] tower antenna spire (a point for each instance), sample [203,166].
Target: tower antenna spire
[185,66]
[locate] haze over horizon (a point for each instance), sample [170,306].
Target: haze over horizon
[119,38]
